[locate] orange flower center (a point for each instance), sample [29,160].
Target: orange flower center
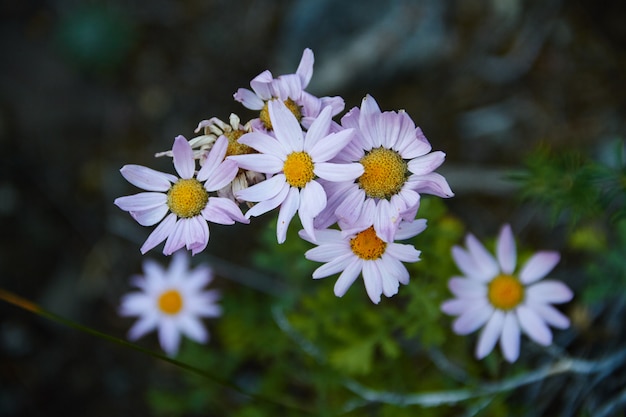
[505,292]
[187,197]
[170,302]
[384,173]
[367,245]
[298,169]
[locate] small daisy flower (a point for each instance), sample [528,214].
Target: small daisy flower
[171,301]
[185,198]
[365,253]
[294,161]
[490,294]
[289,88]
[398,166]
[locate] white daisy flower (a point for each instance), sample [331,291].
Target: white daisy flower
[398,166]
[490,294]
[172,302]
[294,161]
[288,88]
[186,199]
[365,253]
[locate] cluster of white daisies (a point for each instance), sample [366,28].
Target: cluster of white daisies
[355,186]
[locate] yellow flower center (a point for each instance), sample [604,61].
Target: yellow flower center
[234,147]
[291,105]
[298,169]
[367,245]
[505,292]
[187,197]
[384,173]
[170,302]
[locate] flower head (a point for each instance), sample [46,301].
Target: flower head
[290,89]
[172,301]
[365,253]
[294,160]
[186,198]
[490,294]
[398,166]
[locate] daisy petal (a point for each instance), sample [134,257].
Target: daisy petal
[549,291]
[348,276]
[263,190]
[193,329]
[490,334]
[141,201]
[510,338]
[287,210]
[147,179]
[550,315]
[467,288]
[533,325]
[373,281]
[160,233]
[506,250]
[151,216]
[143,326]
[538,266]
[286,126]
[264,163]
[183,157]
[474,318]
[169,337]
[427,163]
[249,99]
[484,261]
[338,172]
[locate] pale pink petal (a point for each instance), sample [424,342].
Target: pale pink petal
[349,209]
[135,304]
[457,306]
[193,329]
[389,281]
[286,127]
[467,288]
[386,219]
[550,315]
[549,291]
[151,216]
[160,233]
[338,172]
[265,144]
[262,85]
[169,337]
[473,318]
[538,266]
[369,106]
[402,252]
[348,276]
[330,146]
[533,325]
[287,86]
[183,157]
[467,265]
[506,250]
[510,338]
[373,281]
[225,173]
[176,239]
[416,144]
[338,264]
[269,204]
[484,261]
[141,201]
[249,99]
[317,134]
[324,236]
[147,178]
[432,183]
[264,190]
[305,68]
[490,334]
[143,326]
[392,267]
[425,164]
[407,230]
[287,210]
[214,159]
[264,163]
[197,236]
[327,252]
[223,211]
[312,202]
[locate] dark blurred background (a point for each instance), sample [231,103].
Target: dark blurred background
[88,86]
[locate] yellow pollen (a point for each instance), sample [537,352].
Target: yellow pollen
[505,292]
[384,173]
[367,245]
[298,169]
[187,197]
[170,302]
[291,105]
[234,147]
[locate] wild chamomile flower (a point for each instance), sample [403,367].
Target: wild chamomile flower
[171,301]
[294,162]
[364,252]
[398,166]
[490,294]
[288,88]
[186,199]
